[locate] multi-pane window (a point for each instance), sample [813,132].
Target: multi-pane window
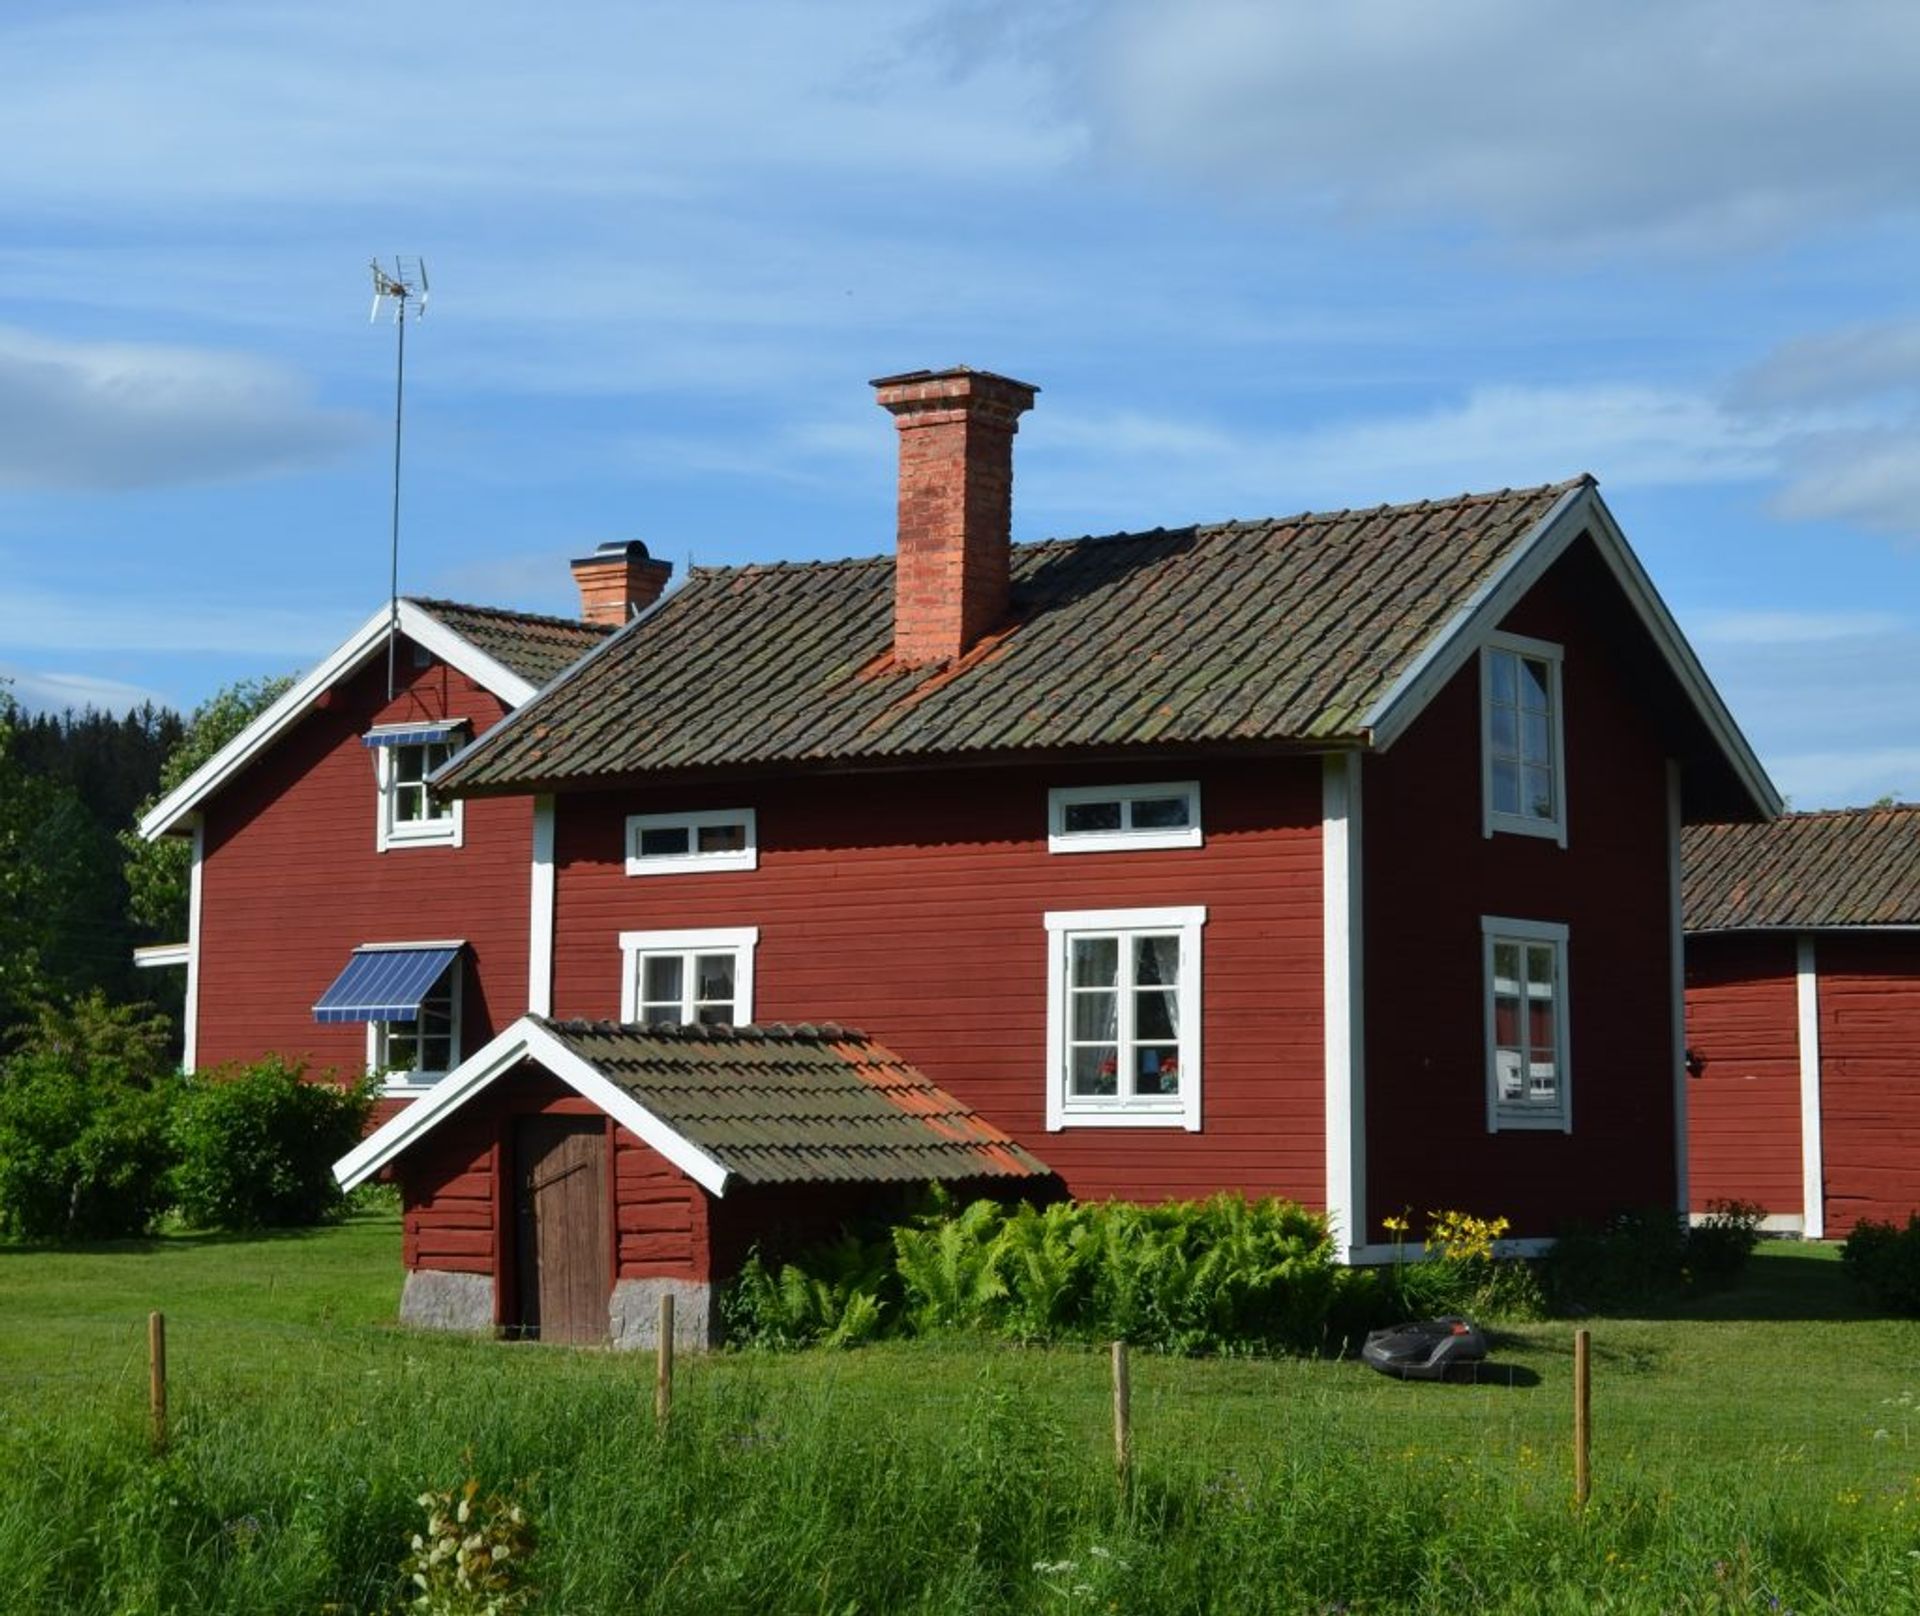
[1124,1016]
[1526,1024]
[1091,819]
[409,810]
[689,978]
[426,1048]
[1522,738]
[667,844]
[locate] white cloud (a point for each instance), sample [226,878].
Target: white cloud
[117,416]
[1870,479]
[1706,124]
[1723,627]
[1827,366]
[42,691]
[1848,779]
[117,622]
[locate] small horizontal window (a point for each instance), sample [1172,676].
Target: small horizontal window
[689,978]
[676,844]
[1092,819]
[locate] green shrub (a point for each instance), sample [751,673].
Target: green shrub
[256,1147]
[1220,1275]
[84,1100]
[1637,1259]
[1459,1272]
[1885,1261]
[1719,1245]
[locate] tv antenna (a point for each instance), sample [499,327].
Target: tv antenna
[404,292]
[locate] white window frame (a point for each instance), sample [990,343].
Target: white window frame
[1528,1114]
[742,858]
[1126,839]
[1554,827]
[390,832]
[1065,1110]
[418,1080]
[740,941]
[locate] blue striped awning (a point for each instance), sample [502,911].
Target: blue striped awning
[385,984]
[413,734]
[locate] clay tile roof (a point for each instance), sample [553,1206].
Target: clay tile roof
[1844,867]
[1284,630]
[815,1103]
[535,647]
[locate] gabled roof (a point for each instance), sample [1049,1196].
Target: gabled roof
[752,1105]
[509,653]
[1317,630]
[1805,872]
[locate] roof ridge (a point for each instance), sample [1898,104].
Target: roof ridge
[771,1032]
[1793,815]
[431,601]
[1487,496]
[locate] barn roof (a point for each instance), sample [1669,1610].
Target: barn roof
[1806,871]
[535,646]
[757,1105]
[1319,631]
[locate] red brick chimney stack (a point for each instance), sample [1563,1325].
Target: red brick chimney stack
[619,580]
[956,506]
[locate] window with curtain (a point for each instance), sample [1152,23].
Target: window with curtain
[1526,1017]
[689,978]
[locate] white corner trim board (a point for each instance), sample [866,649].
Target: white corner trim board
[190,1009]
[1677,985]
[527,1039]
[1813,1195]
[168,815]
[1342,957]
[540,912]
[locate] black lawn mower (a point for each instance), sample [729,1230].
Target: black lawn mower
[1426,1349]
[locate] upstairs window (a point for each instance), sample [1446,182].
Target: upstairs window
[678,844]
[1108,819]
[1526,1015]
[1123,1017]
[405,755]
[687,978]
[414,1053]
[1522,744]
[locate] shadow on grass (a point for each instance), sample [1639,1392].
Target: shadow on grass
[180,1240]
[1783,1283]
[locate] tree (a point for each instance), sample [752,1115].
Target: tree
[157,872]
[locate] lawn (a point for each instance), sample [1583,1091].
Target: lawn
[1756,1450]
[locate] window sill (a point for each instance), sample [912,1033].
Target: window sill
[410,1087]
[694,863]
[1175,1116]
[1551,830]
[447,835]
[1529,1122]
[1124,841]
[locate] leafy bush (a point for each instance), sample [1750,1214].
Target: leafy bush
[256,1147]
[472,1558]
[1225,1274]
[1885,1261]
[1640,1258]
[1719,1245]
[84,1152]
[1460,1273]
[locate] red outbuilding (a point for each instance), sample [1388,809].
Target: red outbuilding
[1803,1015]
[1334,857]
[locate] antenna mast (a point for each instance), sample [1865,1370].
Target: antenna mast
[405,292]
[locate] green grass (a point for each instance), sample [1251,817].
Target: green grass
[1736,1459]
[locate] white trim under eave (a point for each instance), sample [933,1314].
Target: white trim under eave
[360,647]
[1579,510]
[1343,984]
[527,1039]
[1813,1198]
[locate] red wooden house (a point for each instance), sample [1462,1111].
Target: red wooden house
[1803,1014]
[323,867]
[1334,857]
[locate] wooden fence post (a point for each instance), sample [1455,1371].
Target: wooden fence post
[1582,1416]
[1122,1417]
[157,1380]
[663,1365]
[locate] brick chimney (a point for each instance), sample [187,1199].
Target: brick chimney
[618,581]
[956,506]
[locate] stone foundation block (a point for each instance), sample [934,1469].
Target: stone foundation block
[433,1300]
[633,1313]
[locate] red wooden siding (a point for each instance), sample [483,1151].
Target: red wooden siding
[661,1215]
[1743,1111]
[1431,874]
[1870,1076]
[292,882]
[448,1186]
[911,906]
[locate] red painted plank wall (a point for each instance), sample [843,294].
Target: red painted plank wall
[661,1214]
[911,906]
[1743,1111]
[292,882]
[1870,1077]
[1431,874]
[448,1217]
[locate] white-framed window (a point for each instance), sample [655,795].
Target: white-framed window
[1123,1017]
[1525,965]
[1522,738]
[412,1055]
[410,814]
[1110,819]
[675,844]
[686,977]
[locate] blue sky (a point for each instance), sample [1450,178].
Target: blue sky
[1259,258]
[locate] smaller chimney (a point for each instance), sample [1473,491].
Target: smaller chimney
[618,581]
[956,506]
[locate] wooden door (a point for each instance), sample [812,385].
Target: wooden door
[561,1184]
